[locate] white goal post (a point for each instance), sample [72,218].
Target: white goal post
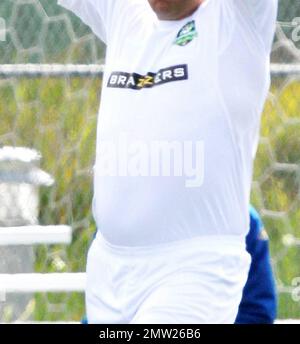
[35,235]
[42,283]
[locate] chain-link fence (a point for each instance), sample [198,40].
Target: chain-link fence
[54,111]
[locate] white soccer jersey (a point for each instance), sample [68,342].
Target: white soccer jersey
[179,117]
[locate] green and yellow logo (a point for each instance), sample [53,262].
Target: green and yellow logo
[186,34]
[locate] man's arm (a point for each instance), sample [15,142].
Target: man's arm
[262,15]
[97,14]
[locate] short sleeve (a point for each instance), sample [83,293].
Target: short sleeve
[109,17]
[262,15]
[97,14]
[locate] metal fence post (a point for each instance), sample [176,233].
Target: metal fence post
[20,178]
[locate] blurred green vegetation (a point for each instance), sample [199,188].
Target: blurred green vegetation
[277,184]
[58,118]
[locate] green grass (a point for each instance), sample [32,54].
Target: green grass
[58,117]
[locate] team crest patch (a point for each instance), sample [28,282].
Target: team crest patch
[186,34]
